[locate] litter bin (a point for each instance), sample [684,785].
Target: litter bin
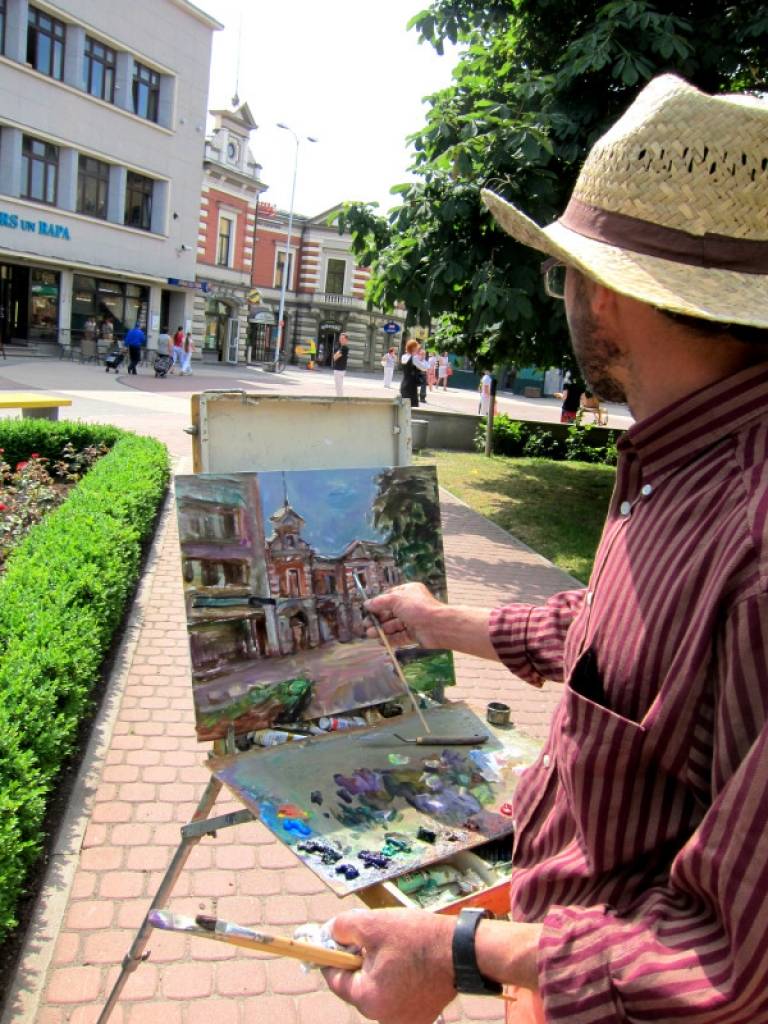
[419,431]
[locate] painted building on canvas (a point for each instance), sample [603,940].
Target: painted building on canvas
[251,597]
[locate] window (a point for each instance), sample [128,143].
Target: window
[99,70]
[279,265]
[92,187]
[291,584]
[45,44]
[146,92]
[138,201]
[224,248]
[2,26]
[334,277]
[39,170]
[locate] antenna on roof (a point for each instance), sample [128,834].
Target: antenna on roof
[236,97]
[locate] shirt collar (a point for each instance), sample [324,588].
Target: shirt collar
[674,435]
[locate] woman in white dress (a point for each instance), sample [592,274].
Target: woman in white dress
[388,362]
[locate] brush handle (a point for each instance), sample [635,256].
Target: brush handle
[305,951]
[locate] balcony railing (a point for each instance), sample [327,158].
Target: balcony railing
[337,300]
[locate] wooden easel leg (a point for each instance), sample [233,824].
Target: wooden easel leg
[191,834]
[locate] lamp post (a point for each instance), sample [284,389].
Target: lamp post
[287,265]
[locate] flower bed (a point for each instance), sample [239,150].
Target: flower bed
[63,596]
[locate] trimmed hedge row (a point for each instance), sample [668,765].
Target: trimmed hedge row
[520,438]
[63,595]
[20,437]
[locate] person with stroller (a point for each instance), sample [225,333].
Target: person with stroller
[134,341]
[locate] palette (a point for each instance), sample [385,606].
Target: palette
[365,807]
[271,564]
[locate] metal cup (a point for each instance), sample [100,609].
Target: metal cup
[497,713]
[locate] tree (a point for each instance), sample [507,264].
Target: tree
[537,83]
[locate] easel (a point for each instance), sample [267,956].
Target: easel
[219,420]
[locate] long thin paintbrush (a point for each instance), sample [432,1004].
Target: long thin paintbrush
[392,656]
[225,931]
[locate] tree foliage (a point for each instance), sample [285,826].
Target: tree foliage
[406,510]
[537,83]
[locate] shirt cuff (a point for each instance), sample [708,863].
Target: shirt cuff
[508,632]
[573,966]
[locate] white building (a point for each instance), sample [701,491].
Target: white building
[102,127]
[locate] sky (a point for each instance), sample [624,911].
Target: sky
[335,505]
[346,72]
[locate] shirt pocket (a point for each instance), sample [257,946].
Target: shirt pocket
[625,805]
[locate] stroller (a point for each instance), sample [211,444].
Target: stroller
[113,359]
[162,365]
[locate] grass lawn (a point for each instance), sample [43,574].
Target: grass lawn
[556,508]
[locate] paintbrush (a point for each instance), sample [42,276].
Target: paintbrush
[392,656]
[226,931]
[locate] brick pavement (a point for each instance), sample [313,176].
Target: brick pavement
[141,781]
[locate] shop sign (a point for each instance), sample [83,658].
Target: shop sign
[264,316]
[331,325]
[196,286]
[34,227]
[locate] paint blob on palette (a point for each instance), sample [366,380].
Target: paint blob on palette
[365,807]
[271,564]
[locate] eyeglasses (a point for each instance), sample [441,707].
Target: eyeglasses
[553,272]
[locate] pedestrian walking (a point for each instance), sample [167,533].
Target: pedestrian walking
[134,341]
[340,357]
[444,370]
[423,366]
[388,362]
[413,371]
[572,393]
[485,394]
[186,354]
[176,351]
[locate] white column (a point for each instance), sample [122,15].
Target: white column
[124,81]
[65,307]
[74,56]
[10,161]
[66,190]
[118,176]
[16,18]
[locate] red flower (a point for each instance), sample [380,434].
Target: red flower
[34,455]
[20,466]
[3,507]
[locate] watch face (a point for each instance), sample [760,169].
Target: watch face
[233,151]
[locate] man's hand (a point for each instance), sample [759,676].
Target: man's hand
[408,614]
[407,972]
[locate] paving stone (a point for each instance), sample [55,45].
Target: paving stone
[74,985]
[227,1011]
[241,978]
[187,981]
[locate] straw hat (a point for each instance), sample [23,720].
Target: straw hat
[671,206]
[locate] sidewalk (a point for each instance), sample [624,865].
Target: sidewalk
[141,780]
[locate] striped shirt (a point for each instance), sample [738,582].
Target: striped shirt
[641,830]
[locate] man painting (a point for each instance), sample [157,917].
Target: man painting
[640,882]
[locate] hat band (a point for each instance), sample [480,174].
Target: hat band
[715,252]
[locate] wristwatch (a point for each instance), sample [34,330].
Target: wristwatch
[466,974]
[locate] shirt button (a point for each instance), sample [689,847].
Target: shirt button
[625,508]
[646,491]
[546,760]
[589,597]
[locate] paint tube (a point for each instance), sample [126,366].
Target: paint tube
[274,737]
[336,724]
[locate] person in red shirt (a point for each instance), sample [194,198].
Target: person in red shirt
[640,881]
[177,350]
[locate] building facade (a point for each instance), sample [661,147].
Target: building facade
[325,292]
[226,238]
[102,126]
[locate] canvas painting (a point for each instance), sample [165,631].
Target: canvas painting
[360,808]
[274,568]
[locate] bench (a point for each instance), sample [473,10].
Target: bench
[34,404]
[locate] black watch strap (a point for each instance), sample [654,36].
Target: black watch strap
[466,974]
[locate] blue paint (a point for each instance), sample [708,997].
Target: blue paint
[296,827]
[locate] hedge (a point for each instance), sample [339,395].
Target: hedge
[62,599]
[520,438]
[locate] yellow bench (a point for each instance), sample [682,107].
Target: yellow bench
[34,404]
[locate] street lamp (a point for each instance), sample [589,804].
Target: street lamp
[287,263]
